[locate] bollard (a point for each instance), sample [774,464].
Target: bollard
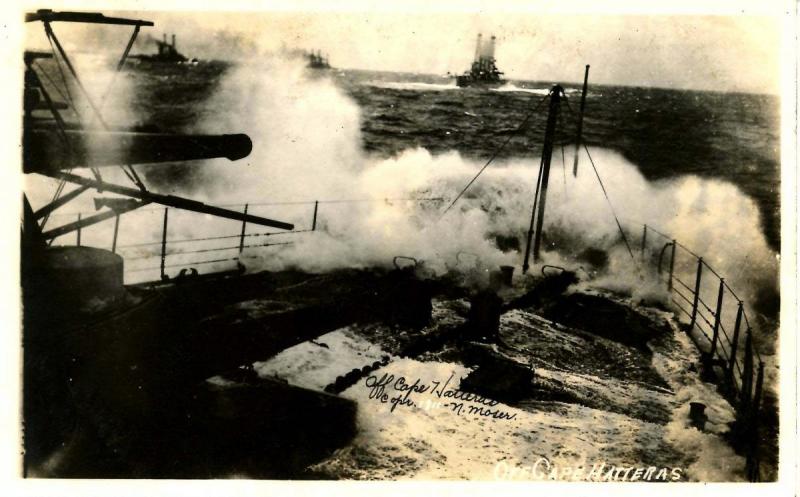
[507,273]
[409,301]
[483,320]
[500,278]
[697,415]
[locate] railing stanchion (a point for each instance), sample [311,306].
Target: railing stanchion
[696,299]
[717,318]
[244,227]
[735,344]
[671,265]
[752,461]
[314,220]
[78,231]
[164,243]
[116,231]
[747,376]
[758,396]
[644,241]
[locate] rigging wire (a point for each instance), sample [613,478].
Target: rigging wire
[602,186]
[63,77]
[87,97]
[131,172]
[51,38]
[560,126]
[497,152]
[120,65]
[62,183]
[50,80]
[572,113]
[610,205]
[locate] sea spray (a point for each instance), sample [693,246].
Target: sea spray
[306,134]
[307,141]
[111,93]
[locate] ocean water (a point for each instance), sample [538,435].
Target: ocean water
[614,421]
[665,133]
[701,166]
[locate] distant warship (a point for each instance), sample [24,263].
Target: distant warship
[166,53]
[484,72]
[317,60]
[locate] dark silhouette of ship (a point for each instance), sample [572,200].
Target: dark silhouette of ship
[317,60]
[167,52]
[484,72]
[314,59]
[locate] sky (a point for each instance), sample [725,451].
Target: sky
[725,53]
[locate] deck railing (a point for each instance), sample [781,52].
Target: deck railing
[717,321]
[169,256]
[714,316]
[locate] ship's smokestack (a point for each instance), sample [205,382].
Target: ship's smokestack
[487,50]
[165,38]
[478,49]
[173,40]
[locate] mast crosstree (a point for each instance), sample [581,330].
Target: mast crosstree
[52,146]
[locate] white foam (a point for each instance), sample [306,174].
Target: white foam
[412,85]
[510,87]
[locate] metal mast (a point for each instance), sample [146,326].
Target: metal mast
[544,175]
[580,122]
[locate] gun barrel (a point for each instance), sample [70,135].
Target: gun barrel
[46,151]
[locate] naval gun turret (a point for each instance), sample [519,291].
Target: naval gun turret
[52,146]
[109,368]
